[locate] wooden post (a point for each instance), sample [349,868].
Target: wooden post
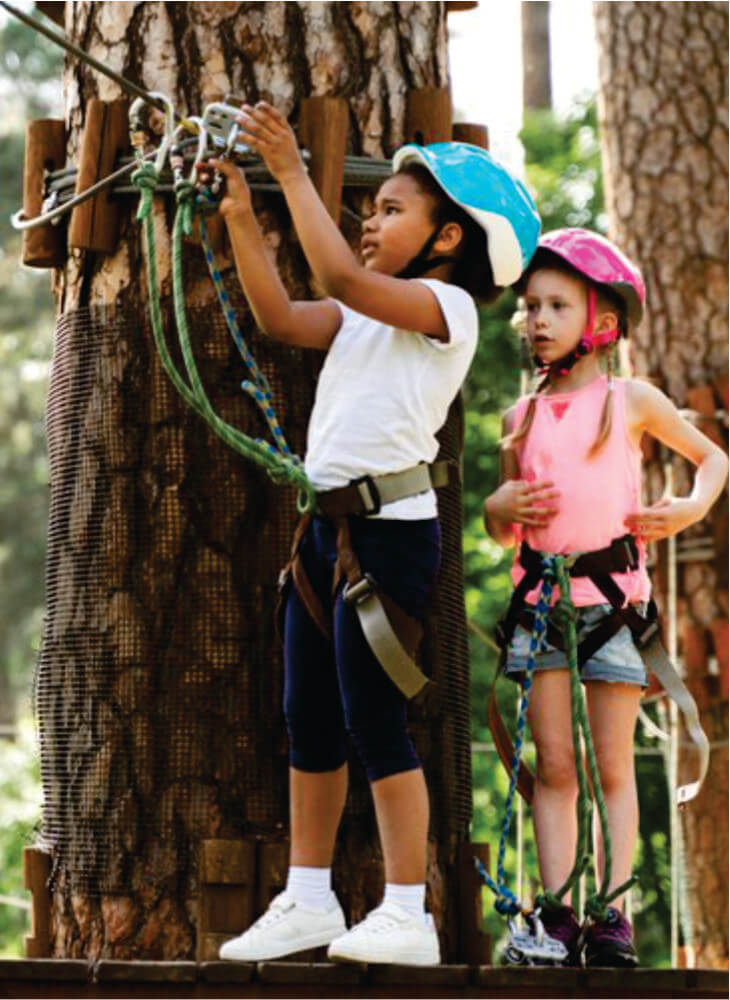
[323,124]
[428,115]
[453,6]
[45,149]
[95,223]
[476,946]
[227,877]
[477,135]
[36,872]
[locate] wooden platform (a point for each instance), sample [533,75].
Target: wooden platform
[78,979]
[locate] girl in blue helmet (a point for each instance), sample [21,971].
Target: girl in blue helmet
[400,330]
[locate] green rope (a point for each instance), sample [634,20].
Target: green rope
[280,468]
[565,616]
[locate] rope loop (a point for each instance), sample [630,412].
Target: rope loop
[185,193]
[145,178]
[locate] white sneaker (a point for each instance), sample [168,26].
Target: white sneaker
[285,928]
[389,935]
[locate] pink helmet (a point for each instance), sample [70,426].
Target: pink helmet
[601,261]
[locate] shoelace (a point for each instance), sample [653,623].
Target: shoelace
[273,915]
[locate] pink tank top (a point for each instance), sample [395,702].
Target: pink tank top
[596,493]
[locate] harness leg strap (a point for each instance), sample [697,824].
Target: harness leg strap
[392,635]
[656,660]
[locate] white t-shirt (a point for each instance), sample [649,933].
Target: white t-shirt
[384,393]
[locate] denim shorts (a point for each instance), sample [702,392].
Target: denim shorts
[617,661]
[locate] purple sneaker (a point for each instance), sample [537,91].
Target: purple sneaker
[562,925]
[610,943]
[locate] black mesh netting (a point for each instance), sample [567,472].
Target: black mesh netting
[158,689]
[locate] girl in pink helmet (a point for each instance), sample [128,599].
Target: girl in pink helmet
[571,483]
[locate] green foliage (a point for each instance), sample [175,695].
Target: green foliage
[30,76]
[19,811]
[563,161]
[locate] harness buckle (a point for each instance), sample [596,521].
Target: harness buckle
[625,549]
[369,494]
[358,592]
[642,639]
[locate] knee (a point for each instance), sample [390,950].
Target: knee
[316,742]
[383,749]
[615,770]
[556,768]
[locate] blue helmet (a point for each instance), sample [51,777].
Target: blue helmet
[497,201]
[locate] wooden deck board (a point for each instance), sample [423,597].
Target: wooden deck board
[277,980]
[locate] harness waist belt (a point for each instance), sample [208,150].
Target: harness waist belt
[621,556]
[368,494]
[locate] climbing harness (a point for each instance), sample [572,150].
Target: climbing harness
[526,944]
[393,636]
[620,556]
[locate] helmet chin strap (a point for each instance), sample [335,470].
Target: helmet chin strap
[422,263]
[588,342]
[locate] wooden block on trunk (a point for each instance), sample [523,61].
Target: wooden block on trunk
[95,223]
[475,945]
[36,872]
[323,124]
[45,150]
[227,877]
[477,135]
[227,861]
[273,864]
[428,115]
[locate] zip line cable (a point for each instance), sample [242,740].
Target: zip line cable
[59,39]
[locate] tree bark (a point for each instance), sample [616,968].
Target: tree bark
[159,685]
[663,110]
[537,94]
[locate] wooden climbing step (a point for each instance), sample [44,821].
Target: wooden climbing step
[67,978]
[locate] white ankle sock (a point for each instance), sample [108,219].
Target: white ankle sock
[310,886]
[411,898]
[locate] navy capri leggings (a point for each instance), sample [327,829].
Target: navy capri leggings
[337,687]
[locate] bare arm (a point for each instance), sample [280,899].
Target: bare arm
[650,411]
[409,305]
[516,501]
[305,324]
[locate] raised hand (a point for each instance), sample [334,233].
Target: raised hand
[268,132]
[520,502]
[237,197]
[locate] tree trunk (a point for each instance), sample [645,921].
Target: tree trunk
[159,686]
[663,101]
[537,92]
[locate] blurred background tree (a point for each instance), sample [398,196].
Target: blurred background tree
[30,87]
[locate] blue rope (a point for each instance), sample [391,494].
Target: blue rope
[257,387]
[507,902]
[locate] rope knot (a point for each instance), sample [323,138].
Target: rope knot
[564,612]
[548,901]
[596,909]
[507,907]
[145,178]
